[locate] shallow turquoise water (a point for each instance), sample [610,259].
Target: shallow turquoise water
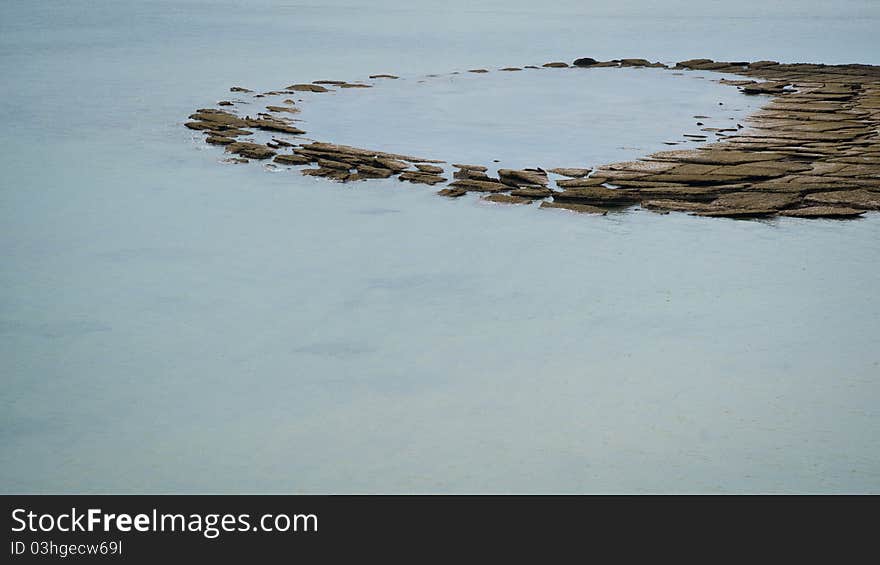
[168,323]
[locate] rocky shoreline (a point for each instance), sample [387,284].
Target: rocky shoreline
[813,151]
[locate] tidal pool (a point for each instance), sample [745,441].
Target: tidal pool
[547,117]
[170,324]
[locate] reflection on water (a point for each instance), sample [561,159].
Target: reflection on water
[170,324]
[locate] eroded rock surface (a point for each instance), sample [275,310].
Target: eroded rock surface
[812,151]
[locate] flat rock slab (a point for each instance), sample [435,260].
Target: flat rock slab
[479,185]
[307,88]
[523,177]
[865,199]
[506,199]
[569,172]
[250,150]
[823,212]
[421,178]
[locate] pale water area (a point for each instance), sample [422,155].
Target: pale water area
[169,323]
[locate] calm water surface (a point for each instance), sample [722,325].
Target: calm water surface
[171,324]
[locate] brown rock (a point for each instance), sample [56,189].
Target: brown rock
[584,62]
[764,88]
[749,204]
[421,178]
[348,150]
[581,183]
[823,212]
[506,199]
[292,159]
[334,174]
[471,174]
[250,150]
[452,192]
[716,156]
[367,171]
[690,63]
[598,196]
[330,164]
[429,168]
[555,65]
[676,206]
[852,198]
[634,63]
[523,177]
[569,172]
[533,193]
[269,124]
[575,207]
[307,88]
[479,185]
[287,109]
[219,140]
[393,164]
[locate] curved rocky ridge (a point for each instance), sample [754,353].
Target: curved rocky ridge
[812,152]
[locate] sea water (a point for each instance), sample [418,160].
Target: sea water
[169,323]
